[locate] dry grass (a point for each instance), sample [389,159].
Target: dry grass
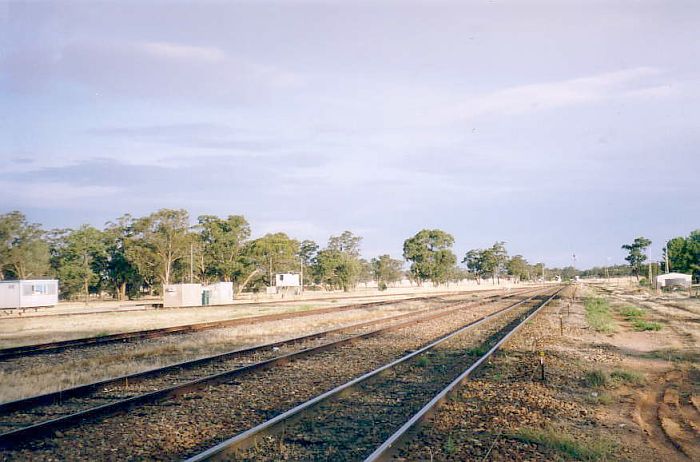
[36,375]
[27,331]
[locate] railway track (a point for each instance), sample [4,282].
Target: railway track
[146,306]
[32,417]
[369,416]
[53,347]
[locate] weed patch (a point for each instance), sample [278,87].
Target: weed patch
[596,378]
[640,325]
[598,315]
[628,377]
[631,312]
[599,449]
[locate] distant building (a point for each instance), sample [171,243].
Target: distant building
[665,281]
[219,293]
[287,280]
[28,293]
[177,295]
[286,283]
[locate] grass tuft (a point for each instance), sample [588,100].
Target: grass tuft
[640,325]
[599,449]
[632,312]
[596,378]
[423,361]
[598,315]
[628,377]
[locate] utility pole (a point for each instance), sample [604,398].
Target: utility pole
[301,274]
[668,269]
[191,263]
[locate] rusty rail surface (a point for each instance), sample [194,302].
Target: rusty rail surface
[272,426]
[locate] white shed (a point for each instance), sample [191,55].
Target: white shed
[287,280]
[673,280]
[28,293]
[176,295]
[220,293]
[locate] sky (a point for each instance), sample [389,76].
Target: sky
[560,127]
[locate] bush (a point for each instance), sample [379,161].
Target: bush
[382,286]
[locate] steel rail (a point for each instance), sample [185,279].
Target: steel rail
[52,347]
[134,307]
[19,435]
[247,438]
[81,390]
[387,449]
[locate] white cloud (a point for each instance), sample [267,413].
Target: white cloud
[183,52]
[51,194]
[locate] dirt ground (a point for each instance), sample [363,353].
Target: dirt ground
[622,394]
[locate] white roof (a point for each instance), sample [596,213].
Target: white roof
[15,281]
[674,276]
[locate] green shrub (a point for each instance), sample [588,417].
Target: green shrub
[382,286]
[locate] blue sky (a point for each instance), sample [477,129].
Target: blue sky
[556,126]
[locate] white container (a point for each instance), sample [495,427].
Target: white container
[220,293]
[176,295]
[28,293]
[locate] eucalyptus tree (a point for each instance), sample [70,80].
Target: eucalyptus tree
[23,251]
[160,241]
[336,269]
[121,272]
[222,244]
[275,252]
[79,260]
[636,255]
[308,250]
[474,259]
[347,242]
[518,267]
[430,254]
[386,270]
[495,259]
[683,254]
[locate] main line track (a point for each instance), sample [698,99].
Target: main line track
[36,416]
[363,418]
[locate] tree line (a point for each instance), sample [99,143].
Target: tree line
[681,254]
[131,256]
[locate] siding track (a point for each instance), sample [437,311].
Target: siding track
[34,417]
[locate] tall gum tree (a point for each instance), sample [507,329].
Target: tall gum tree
[430,254]
[23,251]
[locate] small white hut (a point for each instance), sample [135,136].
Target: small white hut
[286,283]
[28,293]
[177,295]
[219,293]
[673,280]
